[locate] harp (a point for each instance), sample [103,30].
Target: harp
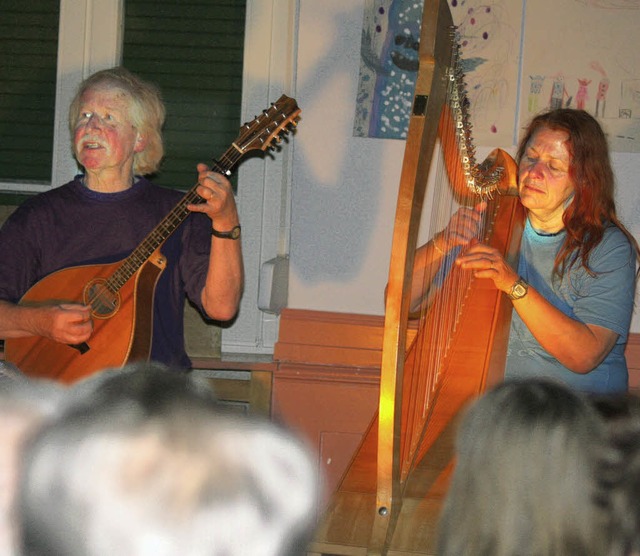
[389,499]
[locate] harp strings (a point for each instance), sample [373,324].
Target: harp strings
[444,285]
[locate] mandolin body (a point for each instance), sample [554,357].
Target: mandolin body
[120,335]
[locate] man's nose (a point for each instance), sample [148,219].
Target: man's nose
[94,121]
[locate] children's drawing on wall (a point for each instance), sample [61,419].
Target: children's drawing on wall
[535,90]
[388,68]
[582,96]
[603,87]
[630,98]
[586,60]
[389,64]
[489,38]
[559,97]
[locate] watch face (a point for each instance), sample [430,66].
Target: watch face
[235,233]
[518,291]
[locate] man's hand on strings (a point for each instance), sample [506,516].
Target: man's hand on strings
[224,284]
[220,204]
[67,323]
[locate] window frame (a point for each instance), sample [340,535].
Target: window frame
[89,39]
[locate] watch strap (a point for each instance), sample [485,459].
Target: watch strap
[233,233]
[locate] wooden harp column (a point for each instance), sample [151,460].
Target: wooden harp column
[389,500]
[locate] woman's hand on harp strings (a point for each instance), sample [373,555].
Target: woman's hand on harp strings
[487,262]
[461,230]
[463,227]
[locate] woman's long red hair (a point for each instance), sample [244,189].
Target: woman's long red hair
[593,207]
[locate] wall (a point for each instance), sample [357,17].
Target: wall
[344,188]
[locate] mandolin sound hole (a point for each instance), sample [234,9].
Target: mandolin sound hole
[104,303]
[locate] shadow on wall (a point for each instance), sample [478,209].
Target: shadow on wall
[337,190]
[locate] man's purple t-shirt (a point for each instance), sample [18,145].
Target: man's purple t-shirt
[72,225]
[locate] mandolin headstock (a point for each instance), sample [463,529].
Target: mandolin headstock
[268,127]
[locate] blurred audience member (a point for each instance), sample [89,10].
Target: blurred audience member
[620,472]
[148,464]
[24,406]
[525,476]
[9,372]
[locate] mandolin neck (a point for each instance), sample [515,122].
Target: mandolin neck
[259,134]
[167,226]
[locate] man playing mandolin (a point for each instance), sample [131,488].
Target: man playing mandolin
[102,216]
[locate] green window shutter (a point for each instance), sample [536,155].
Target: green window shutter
[193,50]
[28,50]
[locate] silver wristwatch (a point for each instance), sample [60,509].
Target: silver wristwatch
[519,289]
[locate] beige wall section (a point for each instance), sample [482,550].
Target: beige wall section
[201,338]
[326,383]
[633,362]
[5,211]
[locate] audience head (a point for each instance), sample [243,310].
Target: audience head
[620,472]
[147,463]
[525,475]
[10,373]
[146,111]
[24,407]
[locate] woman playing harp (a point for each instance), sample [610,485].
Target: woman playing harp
[573,288]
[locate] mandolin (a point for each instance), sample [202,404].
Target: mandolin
[121,294]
